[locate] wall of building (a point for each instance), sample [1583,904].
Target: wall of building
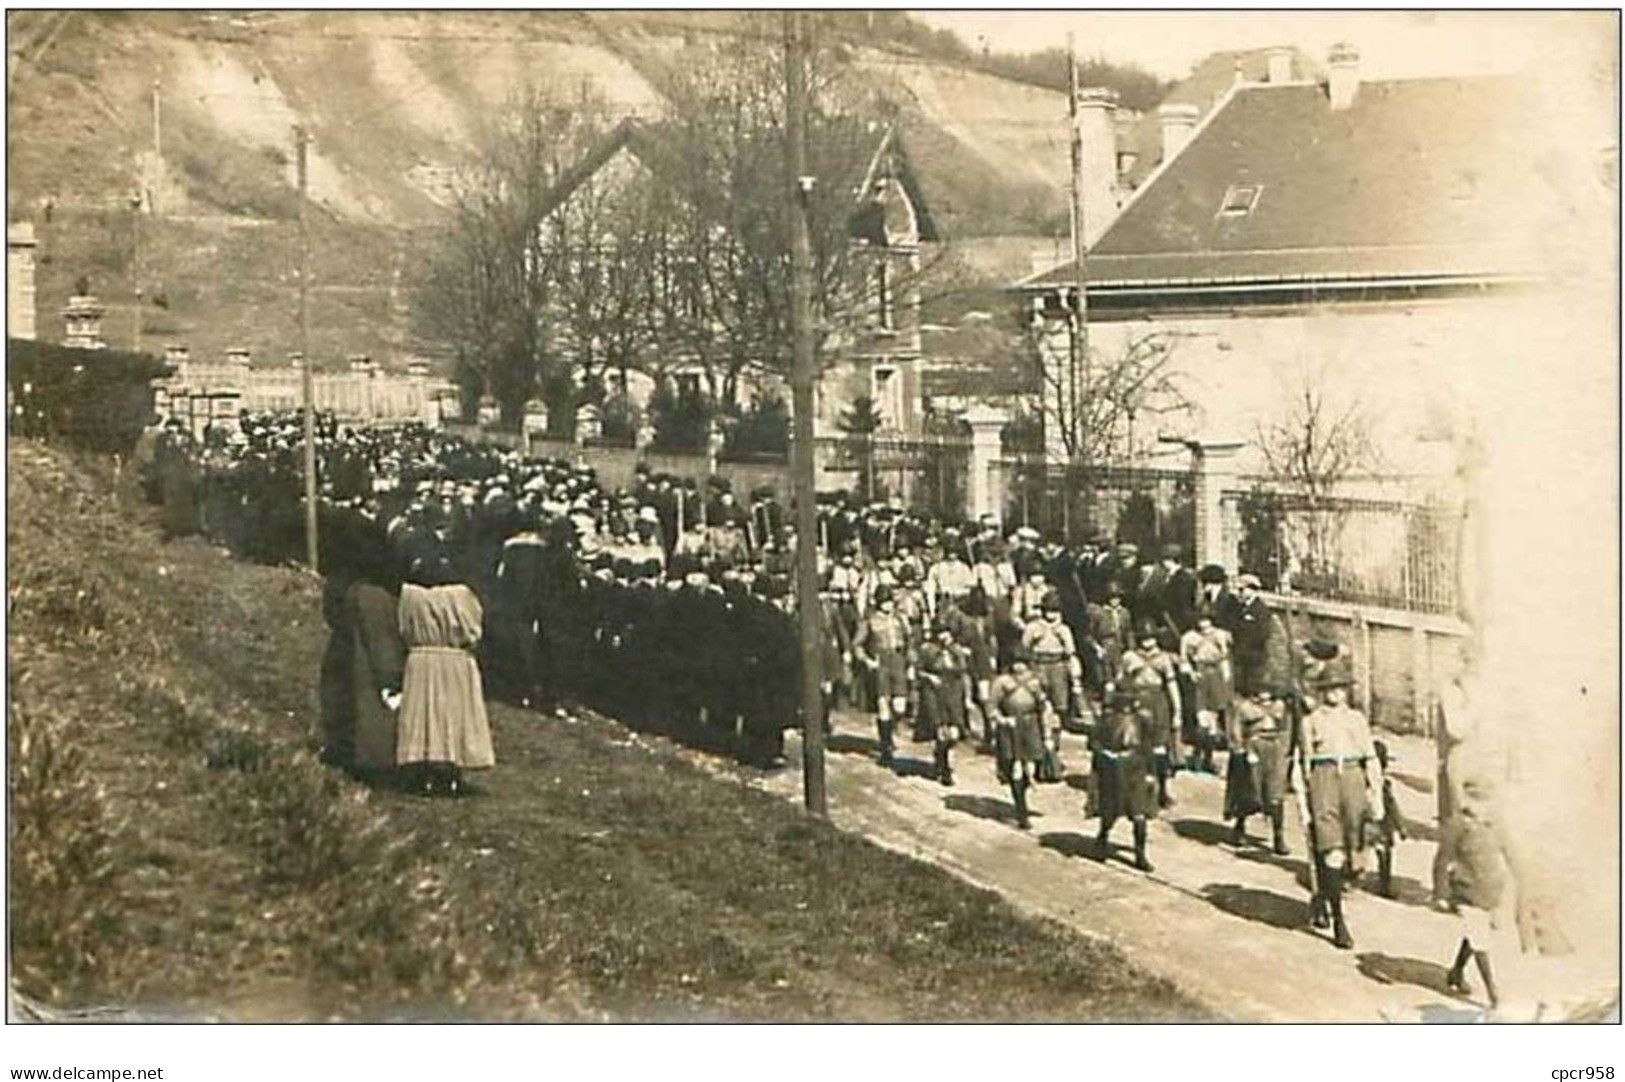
[21,301]
[1413,368]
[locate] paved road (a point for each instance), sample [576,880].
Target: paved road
[1228,927]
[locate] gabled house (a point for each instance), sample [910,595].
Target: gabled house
[1376,235]
[870,259]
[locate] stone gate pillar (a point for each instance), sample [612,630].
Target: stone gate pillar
[986,423]
[1213,471]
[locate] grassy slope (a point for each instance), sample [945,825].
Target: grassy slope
[598,874]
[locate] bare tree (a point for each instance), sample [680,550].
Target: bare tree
[1310,450]
[1128,396]
[488,295]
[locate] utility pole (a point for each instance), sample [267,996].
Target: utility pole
[307,379]
[802,377]
[1078,369]
[135,269]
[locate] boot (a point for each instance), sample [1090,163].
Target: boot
[1018,789]
[1103,836]
[1276,819]
[1319,912]
[1385,872]
[1163,770]
[1139,847]
[1238,833]
[886,727]
[945,773]
[1456,979]
[1334,896]
[1483,960]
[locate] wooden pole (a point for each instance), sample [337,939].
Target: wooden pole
[1080,290]
[802,400]
[135,270]
[307,379]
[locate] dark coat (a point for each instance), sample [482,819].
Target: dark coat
[378,663]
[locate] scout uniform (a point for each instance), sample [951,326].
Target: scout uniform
[1204,653]
[1345,783]
[1053,653]
[1474,866]
[1112,630]
[883,644]
[1123,770]
[1018,702]
[1256,777]
[1148,674]
[944,698]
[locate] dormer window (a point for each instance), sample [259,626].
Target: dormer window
[1240,200]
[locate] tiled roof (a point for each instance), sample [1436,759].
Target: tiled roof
[1204,88]
[1417,178]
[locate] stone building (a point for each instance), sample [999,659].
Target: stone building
[21,302]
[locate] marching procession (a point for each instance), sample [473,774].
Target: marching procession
[451,567]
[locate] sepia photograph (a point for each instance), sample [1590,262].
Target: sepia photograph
[802,516]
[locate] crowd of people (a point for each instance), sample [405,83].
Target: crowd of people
[668,604]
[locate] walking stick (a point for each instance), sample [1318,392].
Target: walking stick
[1300,791]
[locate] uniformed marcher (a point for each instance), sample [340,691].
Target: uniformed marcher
[1123,770]
[883,644]
[1257,771]
[1476,864]
[1344,787]
[1019,708]
[1148,672]
[944,697]
[1051,650]
[1205,660]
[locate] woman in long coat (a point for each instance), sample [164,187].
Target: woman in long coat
[378,660]
[443,728]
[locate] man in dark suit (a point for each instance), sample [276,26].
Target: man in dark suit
[1248,621]
[1178,592]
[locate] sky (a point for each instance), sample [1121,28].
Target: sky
[1391,44]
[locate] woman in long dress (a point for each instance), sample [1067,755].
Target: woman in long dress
[377,663]
[443,728]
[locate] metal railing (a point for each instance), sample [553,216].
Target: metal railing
[1374,552]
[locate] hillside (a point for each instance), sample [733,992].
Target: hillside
[177,853]
[392,100]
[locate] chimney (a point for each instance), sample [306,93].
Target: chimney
[1178,121]
[1280,70]
[1099,137]
[238,355]
[1343,78]
[177,353]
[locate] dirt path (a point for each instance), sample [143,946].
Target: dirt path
[1228,928]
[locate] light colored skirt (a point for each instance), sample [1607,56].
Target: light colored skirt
[442,718]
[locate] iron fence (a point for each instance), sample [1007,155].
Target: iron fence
[1148,506]
[1374,552]
[929,473]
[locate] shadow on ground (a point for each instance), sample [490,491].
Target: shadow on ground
[848,744]
[1390,969]
[1263,906]
[908,767]
[1205,831]
[999,811]
[1069,844]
